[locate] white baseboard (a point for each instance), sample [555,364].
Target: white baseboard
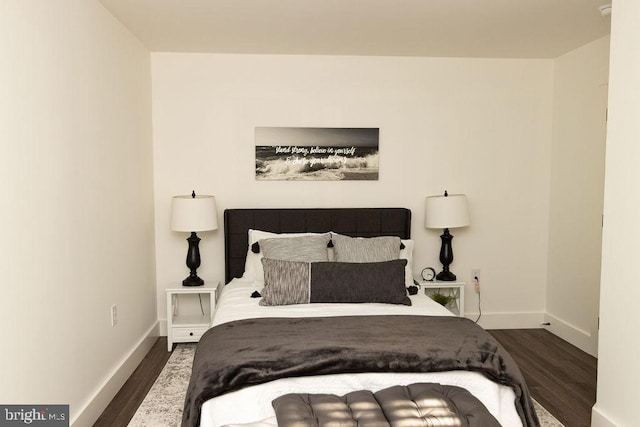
[572,334]
[163,327]
[508,320]
[97,403]
[599,419]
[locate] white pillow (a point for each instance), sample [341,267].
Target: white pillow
[405,253]
[253,265]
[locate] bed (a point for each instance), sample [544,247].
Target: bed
[268,341]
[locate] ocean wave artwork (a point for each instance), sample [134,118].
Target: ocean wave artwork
[322,154]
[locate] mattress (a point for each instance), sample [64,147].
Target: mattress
[252,406]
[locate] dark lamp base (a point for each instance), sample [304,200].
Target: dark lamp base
[193,281]
[446,258]
[446,276]
[193,262]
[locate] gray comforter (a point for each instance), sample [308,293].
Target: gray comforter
[239,354]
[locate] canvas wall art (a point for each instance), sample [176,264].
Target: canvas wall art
[319,154]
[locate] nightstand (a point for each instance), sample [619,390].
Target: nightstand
[453,289]
[189,327]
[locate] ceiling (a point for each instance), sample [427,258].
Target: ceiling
[452,28]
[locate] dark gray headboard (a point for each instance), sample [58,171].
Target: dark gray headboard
[355,222]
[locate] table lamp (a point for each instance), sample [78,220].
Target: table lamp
[192,214]
[448,211]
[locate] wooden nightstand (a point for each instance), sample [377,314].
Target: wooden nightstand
[189,327]
[454,289]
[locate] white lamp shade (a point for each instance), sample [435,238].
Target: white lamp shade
[193,213]
[449,211]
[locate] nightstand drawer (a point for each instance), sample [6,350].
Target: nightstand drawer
[188,334]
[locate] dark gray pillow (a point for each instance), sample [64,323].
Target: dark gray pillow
[291,282]
[371,249]
[367,282]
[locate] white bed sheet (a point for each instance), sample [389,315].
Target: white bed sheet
[253,404]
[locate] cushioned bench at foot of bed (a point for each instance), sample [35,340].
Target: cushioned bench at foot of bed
[415,405]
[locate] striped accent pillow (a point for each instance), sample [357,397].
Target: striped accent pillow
[285,282]
[359,249]
[303,248]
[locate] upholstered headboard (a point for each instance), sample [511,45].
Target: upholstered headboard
[355,222]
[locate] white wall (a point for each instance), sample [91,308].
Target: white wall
[618,369]
[475,126]
[76,215]
[577,191]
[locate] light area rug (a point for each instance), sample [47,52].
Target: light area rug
[162,407]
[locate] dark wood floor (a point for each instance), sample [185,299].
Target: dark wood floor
[126,402]
[560,376]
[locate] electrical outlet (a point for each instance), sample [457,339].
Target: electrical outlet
[475,279]
[475,272]
[114,315]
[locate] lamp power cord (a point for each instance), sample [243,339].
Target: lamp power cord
[476,284]
[201,307]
